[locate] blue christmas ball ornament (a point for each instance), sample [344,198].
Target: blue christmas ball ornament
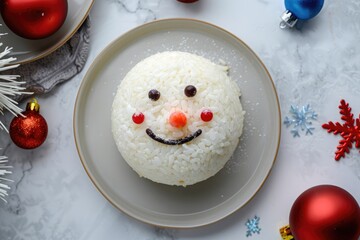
[300,9]
[304,9]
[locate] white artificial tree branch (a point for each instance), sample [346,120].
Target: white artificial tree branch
[9,87]
[4,171]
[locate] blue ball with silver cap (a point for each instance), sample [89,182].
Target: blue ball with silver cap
[300,10]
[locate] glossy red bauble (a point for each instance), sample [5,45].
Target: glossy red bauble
[187,1]
[34,19]
[325,212]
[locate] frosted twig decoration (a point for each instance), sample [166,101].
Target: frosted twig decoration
[8,85]
[4,171]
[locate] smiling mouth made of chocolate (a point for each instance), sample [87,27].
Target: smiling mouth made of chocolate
[179,141]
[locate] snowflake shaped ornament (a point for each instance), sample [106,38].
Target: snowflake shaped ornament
[349,130]
[252,226]
[301,120]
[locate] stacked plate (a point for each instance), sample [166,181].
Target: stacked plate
[26,50]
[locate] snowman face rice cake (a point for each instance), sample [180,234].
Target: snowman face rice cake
[177,118]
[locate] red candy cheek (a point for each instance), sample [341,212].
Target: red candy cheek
[206,115]
[138,118]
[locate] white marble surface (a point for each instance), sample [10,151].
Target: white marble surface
[53,198]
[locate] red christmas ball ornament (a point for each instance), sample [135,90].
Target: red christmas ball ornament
[187,1]
[325,212]
[29,130]
[34,19]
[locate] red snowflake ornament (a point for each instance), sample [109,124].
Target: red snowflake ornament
[350,130]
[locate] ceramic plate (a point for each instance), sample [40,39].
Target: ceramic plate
[26,50]
[171,206]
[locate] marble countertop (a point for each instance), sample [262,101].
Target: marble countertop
[53,198]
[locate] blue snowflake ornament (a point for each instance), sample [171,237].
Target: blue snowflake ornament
[301,120]
[252,226]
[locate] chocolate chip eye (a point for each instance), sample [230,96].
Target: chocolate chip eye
[190,91]
[154,94]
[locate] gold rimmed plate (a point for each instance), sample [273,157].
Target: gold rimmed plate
[205,202]
[26,50]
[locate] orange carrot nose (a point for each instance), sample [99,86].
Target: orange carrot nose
[177,119]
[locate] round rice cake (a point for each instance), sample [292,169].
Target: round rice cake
[177,118]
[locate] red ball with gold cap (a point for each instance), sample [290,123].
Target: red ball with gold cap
[29,130]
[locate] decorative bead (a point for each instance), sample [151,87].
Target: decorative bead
[138,118]
[206,115]
[154,94]
[190,91]
[177,119]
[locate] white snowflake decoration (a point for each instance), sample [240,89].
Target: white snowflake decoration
[301,120]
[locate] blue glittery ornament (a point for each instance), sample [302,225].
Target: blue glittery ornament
[300,9]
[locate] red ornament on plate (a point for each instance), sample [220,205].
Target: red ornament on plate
[349,130]
[34,19]
[30,130]
[324,212]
